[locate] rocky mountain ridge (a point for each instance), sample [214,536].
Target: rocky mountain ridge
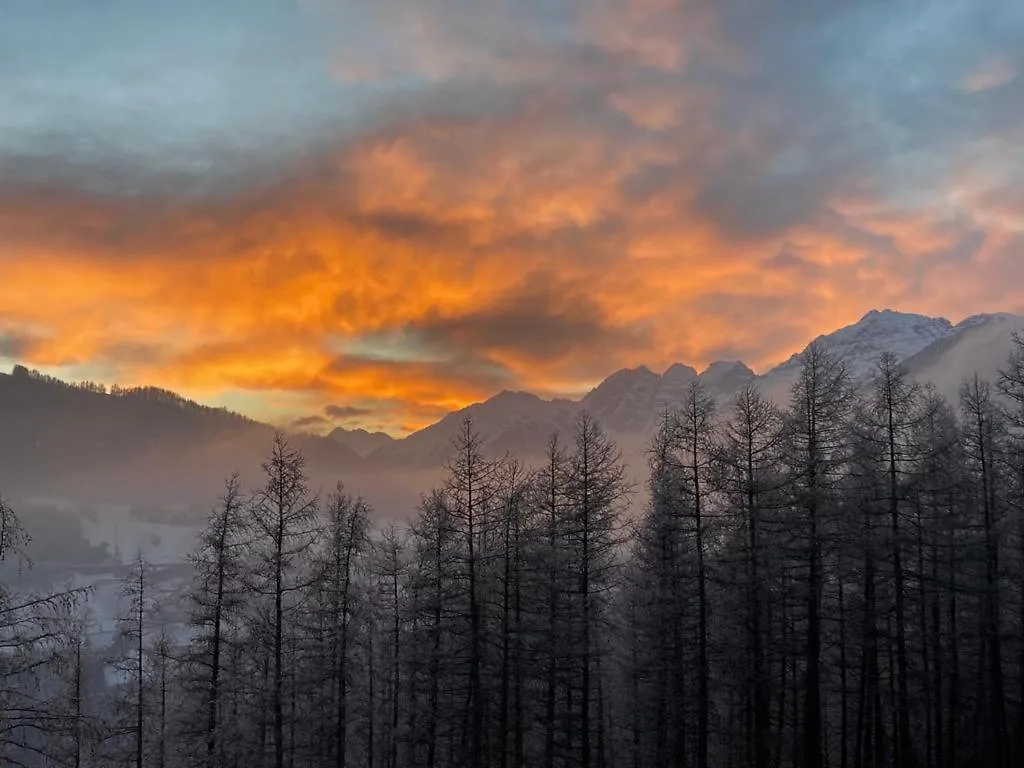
[630,401]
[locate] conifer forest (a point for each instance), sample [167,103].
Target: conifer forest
[836,580]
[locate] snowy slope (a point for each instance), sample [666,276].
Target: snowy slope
[861,344]
[981,344]
[725,378]
[673,386]
[624,401]
[630,402]
[517,422]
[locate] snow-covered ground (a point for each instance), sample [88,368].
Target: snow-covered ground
[164,547]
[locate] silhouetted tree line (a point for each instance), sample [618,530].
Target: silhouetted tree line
[143,394]
[837,582]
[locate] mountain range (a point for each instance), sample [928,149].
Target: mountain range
[154,447]
[631,401]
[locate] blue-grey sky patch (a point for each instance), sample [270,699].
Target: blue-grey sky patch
[481,190]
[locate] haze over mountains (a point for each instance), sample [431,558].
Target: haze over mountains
[152,448]
[630,401]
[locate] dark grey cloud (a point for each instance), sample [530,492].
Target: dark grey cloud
[798,128]
[456,371]
[314,422]
[346,411]
[785,106]
[15,345]
[543,320]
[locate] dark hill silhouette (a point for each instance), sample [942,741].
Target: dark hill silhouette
[148,447]
[131,443]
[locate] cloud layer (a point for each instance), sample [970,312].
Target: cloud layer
[376,214]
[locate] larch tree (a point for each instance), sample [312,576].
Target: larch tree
[335,566]
[597,492]
[748,462]
[471,493]
[983,434]
[551,505]
[816,426]
[135,625]
[890,415]
[695,438]
[38,637]
[434,586]
[660,601]
[214,602]
[284,521]
[1011,387]
[389,572]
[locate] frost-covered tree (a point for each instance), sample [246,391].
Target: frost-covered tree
[38,640]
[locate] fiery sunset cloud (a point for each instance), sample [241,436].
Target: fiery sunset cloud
[369,214]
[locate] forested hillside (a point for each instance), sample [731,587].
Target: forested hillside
[135,443]
[835,582]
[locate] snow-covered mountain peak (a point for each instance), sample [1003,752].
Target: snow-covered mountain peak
[679,373]
[672,387]
[724,377]
[901,333]
[621,381]
[723,367]
[982,319]
[631,401]
[512,396]
[623,400]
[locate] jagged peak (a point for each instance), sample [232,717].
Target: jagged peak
[640,370]
[896,313]
[893,317]
[622,377]
[359,431]
[727,366]
[513,395]
[679,369]
[902,333]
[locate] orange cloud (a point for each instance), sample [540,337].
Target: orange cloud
[623,212]
[410,280]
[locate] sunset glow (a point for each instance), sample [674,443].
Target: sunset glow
[379,212]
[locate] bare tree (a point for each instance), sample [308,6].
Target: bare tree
[696,435]
[549,498]
[284,521]
[214,603]
[660,600]
[596,493]
[748,475]
[345,542]
[982,435]
[889,418]
[38,634]
[134,627]
[816,426]
[470,493]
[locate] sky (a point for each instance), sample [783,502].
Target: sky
[367,214]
